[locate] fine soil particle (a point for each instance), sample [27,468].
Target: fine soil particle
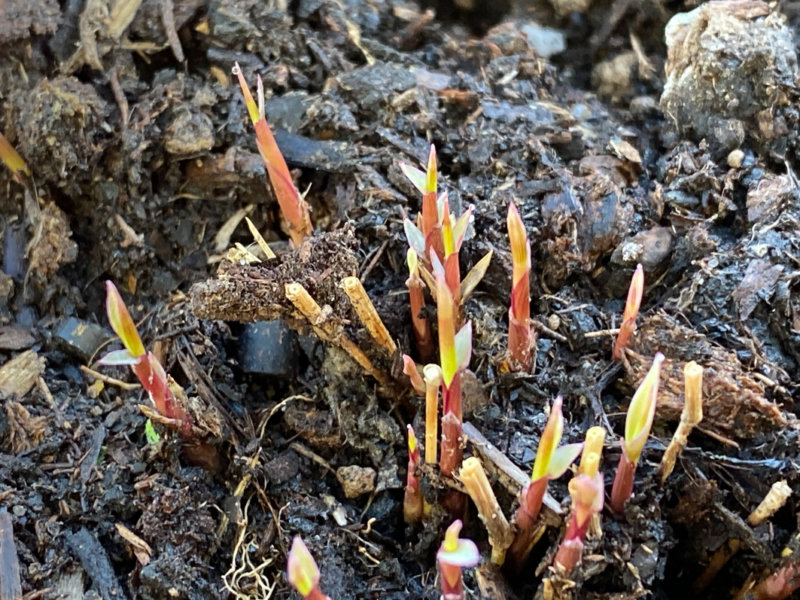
[652,133]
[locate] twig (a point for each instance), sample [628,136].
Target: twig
[110,380]
[492,455]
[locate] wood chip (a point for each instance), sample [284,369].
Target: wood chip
[19,375]
[141,549]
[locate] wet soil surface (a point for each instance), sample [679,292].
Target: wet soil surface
[621,139]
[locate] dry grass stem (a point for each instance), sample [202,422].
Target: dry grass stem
[327,331]
[477,484]
[433,379]
[774,500]
[368,315]
[691,416]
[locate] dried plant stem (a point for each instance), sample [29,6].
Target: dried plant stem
[367,313]
[327,331]
[433,379]
[592,451]
[474,479]
[691,416]
[262,243]
[774,500]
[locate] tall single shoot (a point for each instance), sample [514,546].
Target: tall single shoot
[521,337]
[550,463]
[293,206]
[632,304]
[455,350]
[637,428]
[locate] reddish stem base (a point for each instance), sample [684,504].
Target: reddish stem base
[623,483]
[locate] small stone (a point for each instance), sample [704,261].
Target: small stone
[189,133]
[554,322]
[735,159]
[356,481]
[81,338]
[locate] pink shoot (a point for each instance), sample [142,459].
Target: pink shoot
[521,337]
[587,500]
[638,422]
[144,364]
[416,294]
[302,571]
[410,369]
[413,502]
[455,554]
[632,304]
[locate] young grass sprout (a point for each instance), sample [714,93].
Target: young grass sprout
[587,500]
[413,502]
[638,422]
[455,350]
[521,337]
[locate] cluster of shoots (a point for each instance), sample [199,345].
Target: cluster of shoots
[302,572]
[292,204]
[144,364]
[434,243]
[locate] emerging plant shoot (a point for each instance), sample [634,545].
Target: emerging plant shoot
[637,428]
[455,554]
[293,205]
[302,571]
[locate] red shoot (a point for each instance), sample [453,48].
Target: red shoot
[293,205]
[632,304]
[413,502]
[521,337]
[551,462]
[587,500]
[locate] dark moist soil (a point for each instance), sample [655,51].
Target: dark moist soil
[143,164]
